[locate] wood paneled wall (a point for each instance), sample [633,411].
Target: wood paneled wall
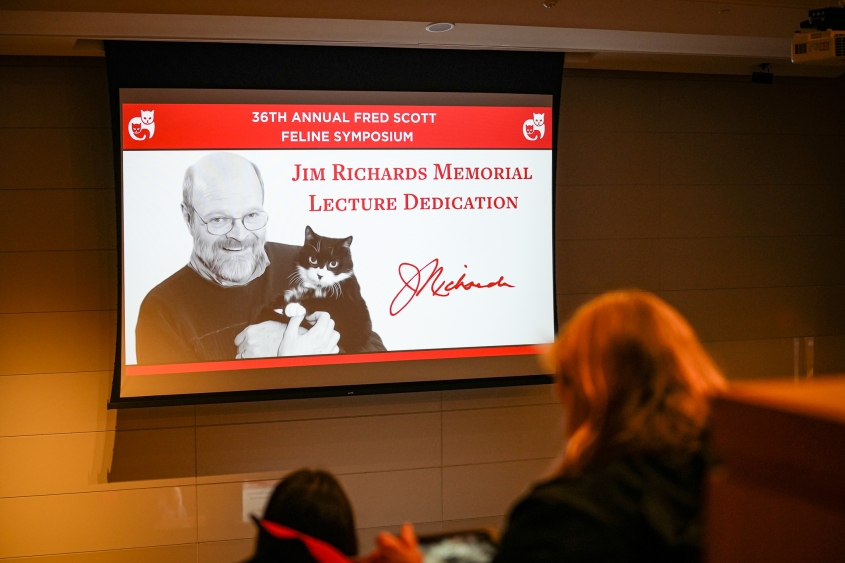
[709,191]
[724,197]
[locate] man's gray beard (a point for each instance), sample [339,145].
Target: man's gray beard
[232,268]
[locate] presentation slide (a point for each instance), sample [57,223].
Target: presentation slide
[276,240]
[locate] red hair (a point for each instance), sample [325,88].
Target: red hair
[633,377]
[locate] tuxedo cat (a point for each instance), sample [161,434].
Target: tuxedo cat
[325,281]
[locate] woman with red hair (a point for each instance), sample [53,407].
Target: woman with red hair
[635,384]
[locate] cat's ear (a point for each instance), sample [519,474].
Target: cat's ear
[347,242]
[309,234]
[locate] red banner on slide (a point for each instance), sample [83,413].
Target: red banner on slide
[276,126]
[299,361]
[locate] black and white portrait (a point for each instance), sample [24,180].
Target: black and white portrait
[238,295]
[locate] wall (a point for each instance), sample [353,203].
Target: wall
[726,198]
[704,189]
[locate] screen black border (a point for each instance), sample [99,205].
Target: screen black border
[151,64]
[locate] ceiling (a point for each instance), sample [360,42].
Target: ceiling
[730,37]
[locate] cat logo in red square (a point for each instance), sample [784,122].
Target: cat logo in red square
[535,128]
[142,128]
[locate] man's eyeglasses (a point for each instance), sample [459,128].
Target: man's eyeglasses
[222,225]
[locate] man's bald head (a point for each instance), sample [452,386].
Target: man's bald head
[222,189]
[213,168]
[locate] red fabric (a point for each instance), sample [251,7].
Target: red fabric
[322,551]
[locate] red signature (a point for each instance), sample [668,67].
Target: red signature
[412,277]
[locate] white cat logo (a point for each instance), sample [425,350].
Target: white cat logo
[137,125]
[533,126]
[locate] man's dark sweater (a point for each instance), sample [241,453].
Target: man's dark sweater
[187,318]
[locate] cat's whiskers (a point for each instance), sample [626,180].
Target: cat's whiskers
[295,278]
[333,290]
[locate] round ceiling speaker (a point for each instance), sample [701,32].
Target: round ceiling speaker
[439,27]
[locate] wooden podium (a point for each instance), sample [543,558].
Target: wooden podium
[780,494]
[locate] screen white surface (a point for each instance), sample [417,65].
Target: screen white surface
[516,243]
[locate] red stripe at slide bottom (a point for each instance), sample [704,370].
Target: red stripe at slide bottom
[299,361]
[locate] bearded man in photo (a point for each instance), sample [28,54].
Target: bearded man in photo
[209,309]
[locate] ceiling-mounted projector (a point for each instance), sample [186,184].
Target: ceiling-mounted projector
[819,47]
[825,45]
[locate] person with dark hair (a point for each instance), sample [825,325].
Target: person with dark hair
[634,382]
[308,519]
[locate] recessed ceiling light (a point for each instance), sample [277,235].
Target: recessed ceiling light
[439,27]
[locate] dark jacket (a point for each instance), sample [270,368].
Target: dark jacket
[636,509]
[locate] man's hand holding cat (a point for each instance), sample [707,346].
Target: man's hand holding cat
[270,338]
[261,340]
[322,338]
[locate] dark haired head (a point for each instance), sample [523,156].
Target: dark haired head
[313,502]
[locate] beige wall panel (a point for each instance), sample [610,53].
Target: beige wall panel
[367,536]
[751,262]
[693,158]
[598,157]
[753,359]
[56,158]
[495,523]
[498,397]
[749,211]
[160,454]
[220,511]
[729,106]
[590,266]
[95,461]
[350,445]
[609,104]
[55,403]
[58,281]
[98,521]
[829,354]
[186,553]
[568,304]
[391,498]
[58,220]
[503,434]
[762,313]
[473,491]
[602,212]
[57,342]
[60,96]
[230,551]
[155,417]
[328,407]
[686,105]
